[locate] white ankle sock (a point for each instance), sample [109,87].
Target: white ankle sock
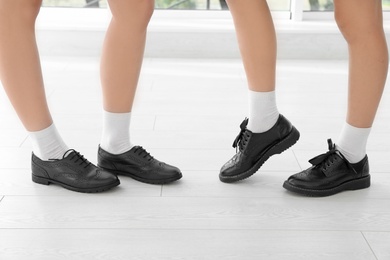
[263,112]
[352,142]
[48,144]
[116,132]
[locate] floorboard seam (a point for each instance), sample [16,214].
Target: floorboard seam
[196,229]
[296,159]
[369,245]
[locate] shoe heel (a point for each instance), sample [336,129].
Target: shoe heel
[289,141]
[361,183]
[40,180]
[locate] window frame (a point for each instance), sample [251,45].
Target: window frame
[299,14]
[97,17]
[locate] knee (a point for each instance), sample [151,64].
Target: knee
[147,11]
[31,10]
[145,8]
[23,11]
[355,28]
[345,25]
[128,11]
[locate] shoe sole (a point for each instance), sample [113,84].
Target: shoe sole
[278,148]
[137,178]
[45,181]
[356,184]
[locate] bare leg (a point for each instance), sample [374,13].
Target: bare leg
[361,24]
[20,69]
[256,37]
[21,75]
[265,133]
[345,166]
[123,52]
[257,41]
[120,68]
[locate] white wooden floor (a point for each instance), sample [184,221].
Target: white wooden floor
[187,113]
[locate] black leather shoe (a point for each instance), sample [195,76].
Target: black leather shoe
[72,172]
[254,149]
[139,165]
[331,173]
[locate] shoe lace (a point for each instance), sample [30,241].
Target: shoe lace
[77,158]
[325,160]
[242,138]
[143,153]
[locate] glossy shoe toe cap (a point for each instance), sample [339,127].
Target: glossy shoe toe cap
[168,173]
[106,177]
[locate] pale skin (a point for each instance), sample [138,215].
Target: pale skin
[20,69]
[257,41]
[123,52]
[360,22]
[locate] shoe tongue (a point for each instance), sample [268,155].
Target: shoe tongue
[67,153]
[331,171]
[142,152]
[245,139]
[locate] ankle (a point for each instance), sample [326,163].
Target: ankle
[47,143]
